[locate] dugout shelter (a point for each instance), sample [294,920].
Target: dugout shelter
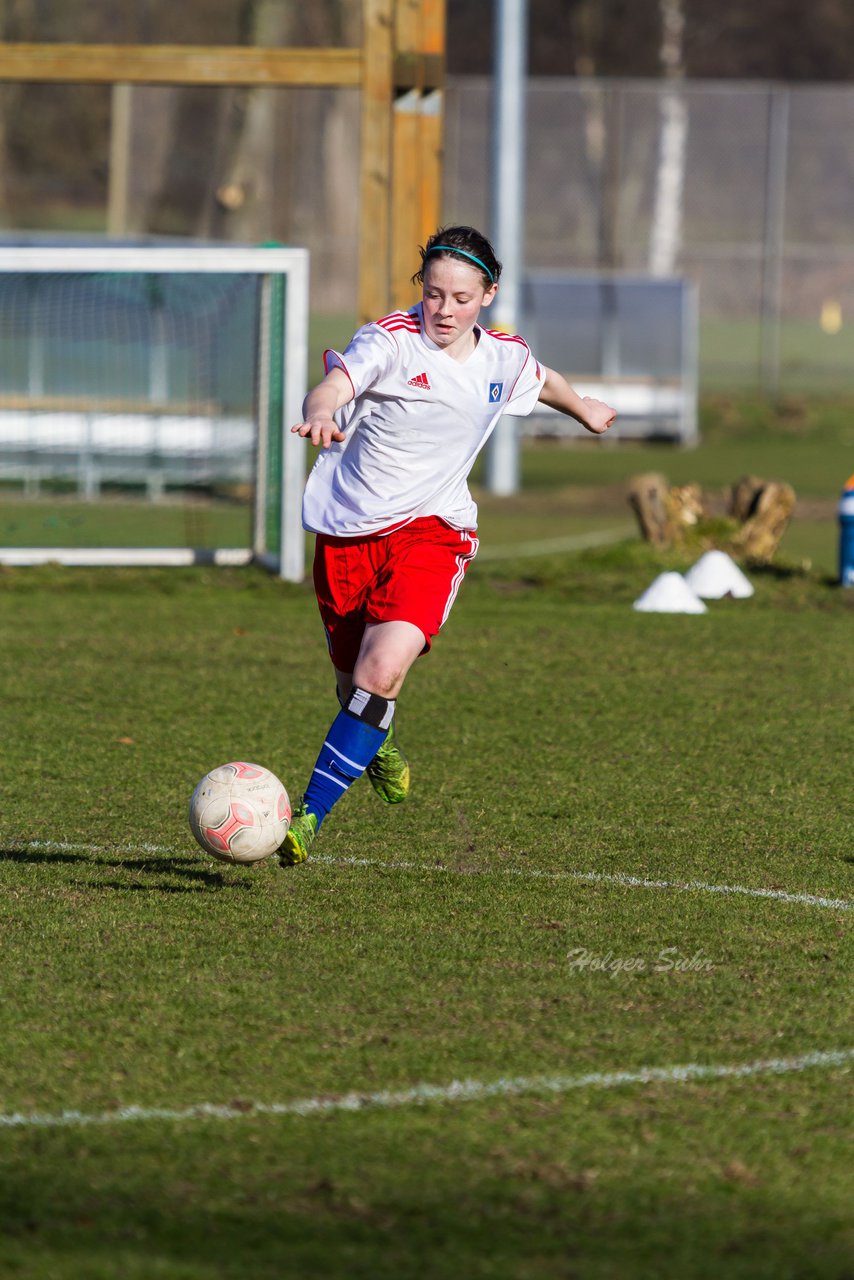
[630,340]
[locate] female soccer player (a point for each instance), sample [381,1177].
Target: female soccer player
[400,417]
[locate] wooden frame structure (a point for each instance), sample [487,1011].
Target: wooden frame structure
[399,69]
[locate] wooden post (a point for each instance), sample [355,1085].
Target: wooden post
[417,137]
[118,198]
[374,221]
[402,73]
[405,197]
[432,117]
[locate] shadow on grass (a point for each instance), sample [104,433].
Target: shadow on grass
[199,878]
[786,571]
[124,886]
[467,1224]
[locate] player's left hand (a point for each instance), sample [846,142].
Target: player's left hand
[599,416]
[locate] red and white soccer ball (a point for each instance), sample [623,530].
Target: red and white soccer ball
[240,812]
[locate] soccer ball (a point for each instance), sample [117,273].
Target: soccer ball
[240,812]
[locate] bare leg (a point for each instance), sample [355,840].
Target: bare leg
[387,652]
[387,649]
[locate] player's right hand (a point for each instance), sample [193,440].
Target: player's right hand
[321,429]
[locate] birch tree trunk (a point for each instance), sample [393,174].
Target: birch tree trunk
[598,130]
[666,232]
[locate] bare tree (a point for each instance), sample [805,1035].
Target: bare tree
[241,207]
[666,231]
[286,161]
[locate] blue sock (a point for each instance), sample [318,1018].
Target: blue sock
[354,738]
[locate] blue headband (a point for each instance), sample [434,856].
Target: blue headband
[452,249]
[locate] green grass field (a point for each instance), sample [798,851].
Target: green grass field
[527,917]
[731,355]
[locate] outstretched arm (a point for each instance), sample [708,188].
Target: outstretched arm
[592,414]
[320,406]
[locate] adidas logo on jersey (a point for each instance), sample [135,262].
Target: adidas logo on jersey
[421,381]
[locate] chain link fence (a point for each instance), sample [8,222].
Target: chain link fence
[765,210]
[766,197]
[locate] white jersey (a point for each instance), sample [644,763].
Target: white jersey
[417,422]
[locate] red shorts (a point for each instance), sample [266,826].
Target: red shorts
[412,575]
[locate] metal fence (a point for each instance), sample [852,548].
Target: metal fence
[767,192]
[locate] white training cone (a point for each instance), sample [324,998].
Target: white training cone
[715,575]
[669,593]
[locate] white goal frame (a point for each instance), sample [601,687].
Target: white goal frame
[268,264]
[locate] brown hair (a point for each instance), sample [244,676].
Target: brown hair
[464,244]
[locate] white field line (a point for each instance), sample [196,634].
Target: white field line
[549,546]
[597,877]
[421,1094]
[588,877]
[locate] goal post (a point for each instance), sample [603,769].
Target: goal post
[147,390]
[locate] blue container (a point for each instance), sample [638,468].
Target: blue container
[846,535]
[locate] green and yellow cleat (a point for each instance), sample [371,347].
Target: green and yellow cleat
[389,771]
[299,839]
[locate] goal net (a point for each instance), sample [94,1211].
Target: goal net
[145,399]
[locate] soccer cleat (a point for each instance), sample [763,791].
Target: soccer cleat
[389,770]
[299,839]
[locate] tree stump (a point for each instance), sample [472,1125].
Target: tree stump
[664,513]
[760,512]
[743,497]
[764,509]
[649,497]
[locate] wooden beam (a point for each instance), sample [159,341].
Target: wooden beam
[118,195]
[431,164]
[399,68]
[417,187]
[433,28]
[405,198]
[180,64]
[433,45]
[407,20]
[376,165]
[418,70]
[192,64]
